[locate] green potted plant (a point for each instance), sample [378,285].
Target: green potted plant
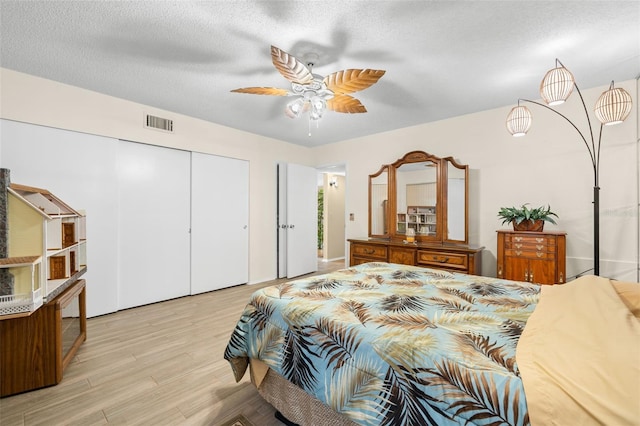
[527,219]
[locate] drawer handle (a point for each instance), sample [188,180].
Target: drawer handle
[518,245]
[539,240]
[540,247]
[518,252]
[539,254]
[518,238]
[441,259]
[369,251]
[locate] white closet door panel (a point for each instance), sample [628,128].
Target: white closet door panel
[219,222]
[153,223]
[302,218]
[81,170]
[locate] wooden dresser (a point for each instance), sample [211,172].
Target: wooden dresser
[450,257]
[536,257]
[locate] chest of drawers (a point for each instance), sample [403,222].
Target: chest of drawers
[536,257]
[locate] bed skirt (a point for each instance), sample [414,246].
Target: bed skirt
[296,405]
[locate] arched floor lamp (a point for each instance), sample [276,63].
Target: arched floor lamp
[613,107]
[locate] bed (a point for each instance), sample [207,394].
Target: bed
[387,344]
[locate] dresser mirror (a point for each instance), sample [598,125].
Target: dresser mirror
[379,203]
[457,202]
[426,200]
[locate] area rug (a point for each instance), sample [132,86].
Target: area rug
[237,421]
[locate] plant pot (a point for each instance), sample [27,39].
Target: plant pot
[529,225]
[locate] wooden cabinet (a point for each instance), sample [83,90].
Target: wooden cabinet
[450,257]
[535,257]
[37,348]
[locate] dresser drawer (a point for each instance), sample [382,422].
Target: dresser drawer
[443,259]
[530,239]
[370,251]
[549,246]
[530,254]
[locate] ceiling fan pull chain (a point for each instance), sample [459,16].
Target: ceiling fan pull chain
[309,125]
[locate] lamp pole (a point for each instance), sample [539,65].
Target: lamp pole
[613,107]
[594,154]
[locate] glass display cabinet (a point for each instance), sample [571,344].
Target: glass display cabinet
[37,348]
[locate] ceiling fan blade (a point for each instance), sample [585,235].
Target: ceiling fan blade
[262,91]
[290,68]
[345,103]
[352,80]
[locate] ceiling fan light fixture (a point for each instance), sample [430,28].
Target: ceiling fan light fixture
[315,94]
[519,121]
[613,106]
[294,108]
[318,106]
[557,85]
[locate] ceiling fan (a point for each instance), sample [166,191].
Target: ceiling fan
[314,93]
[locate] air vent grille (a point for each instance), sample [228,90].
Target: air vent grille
[159,123]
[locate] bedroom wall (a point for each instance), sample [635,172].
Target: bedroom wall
[550,165]
[30,99]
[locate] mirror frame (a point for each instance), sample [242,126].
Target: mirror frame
[382,170]
[412,158]
[441,236]
[445,199]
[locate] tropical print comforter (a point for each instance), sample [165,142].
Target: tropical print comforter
[388,344]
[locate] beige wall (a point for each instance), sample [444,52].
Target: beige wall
[44,102]
[334,217]
[549,165]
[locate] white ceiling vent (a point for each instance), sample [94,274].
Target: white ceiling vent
[158,123]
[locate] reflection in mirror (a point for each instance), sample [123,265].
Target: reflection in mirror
[379,198]
[417,194]
[456,203]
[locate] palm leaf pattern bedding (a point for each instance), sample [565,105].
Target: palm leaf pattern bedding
[387,344]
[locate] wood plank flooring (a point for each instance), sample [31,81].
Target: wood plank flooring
[160,364]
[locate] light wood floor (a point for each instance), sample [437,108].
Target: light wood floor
[160,364]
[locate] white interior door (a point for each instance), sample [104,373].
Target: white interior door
[219,222]
[153,224]
[298,224]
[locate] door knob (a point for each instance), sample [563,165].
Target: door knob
[292,226]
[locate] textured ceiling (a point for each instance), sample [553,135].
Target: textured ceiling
[442,58]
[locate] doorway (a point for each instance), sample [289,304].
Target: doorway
[331,213]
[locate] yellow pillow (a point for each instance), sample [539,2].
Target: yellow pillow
[630,295]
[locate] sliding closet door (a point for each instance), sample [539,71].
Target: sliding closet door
[81,170]
[153,223]
[219,222]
